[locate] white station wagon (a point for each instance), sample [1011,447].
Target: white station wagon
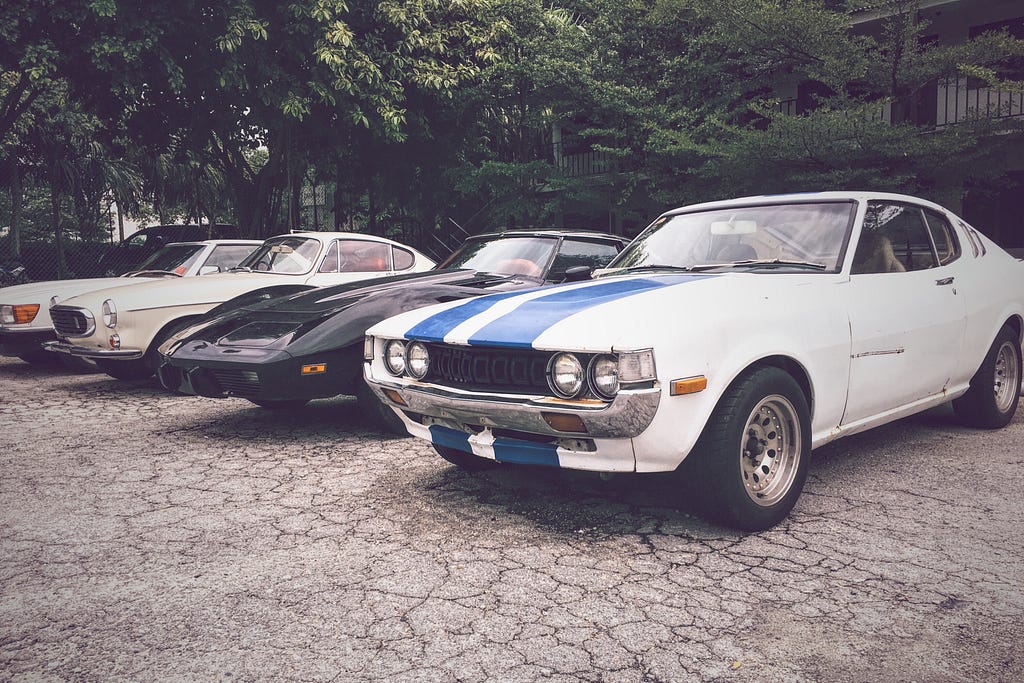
[120,329]
[728,340]
[25,323]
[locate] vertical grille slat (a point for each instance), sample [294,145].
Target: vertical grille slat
[70,322]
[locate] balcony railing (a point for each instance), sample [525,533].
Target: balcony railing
[579,164]
[958,101]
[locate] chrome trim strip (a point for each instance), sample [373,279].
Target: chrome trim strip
[71,349]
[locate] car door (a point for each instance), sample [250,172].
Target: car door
[907,320]
[347,260]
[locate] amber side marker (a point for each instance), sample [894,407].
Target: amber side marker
[314,369]
[688,385]
[25,313]
[564,422]
[395,396]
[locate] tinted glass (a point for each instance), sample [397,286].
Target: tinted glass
[331,259]
[174,258]
[227,256]
[894,239]
[291,255]
[947,247]
[526,255]
[363,256]
[576,252]
[403,258]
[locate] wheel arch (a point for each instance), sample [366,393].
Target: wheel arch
[171,326]
[793,368]
[1016,323]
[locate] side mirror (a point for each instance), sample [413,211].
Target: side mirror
[577,274]
[206,270]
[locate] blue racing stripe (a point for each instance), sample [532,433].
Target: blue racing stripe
[435,327]
[452,438]
[525,452]
[520,327]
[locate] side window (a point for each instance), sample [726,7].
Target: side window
[946,245]
[894,239]
[403,258]
[330,264]
[362,256]
[227,256]
[575,252]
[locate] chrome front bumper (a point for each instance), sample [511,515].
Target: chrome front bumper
[72,350]
[626,417]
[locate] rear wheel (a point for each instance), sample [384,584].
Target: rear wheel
[463,460]
[992,400]
[751,461]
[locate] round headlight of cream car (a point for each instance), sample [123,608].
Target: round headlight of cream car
[109,313]
[565,375]
[604,376]
[394,357]
[417,360]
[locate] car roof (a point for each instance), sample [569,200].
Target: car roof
[550,232]
[219,242]
[804,197]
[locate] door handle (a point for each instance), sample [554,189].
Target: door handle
[944,281]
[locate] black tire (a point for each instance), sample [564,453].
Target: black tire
[290,404]
[377,412]
[76,363]
[992,400]
[463,460]
[750,463]
[125,370]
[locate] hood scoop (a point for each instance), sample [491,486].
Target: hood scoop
[262,333]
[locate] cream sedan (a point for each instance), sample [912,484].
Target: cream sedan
[120,329]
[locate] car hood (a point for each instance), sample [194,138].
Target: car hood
[606,314]
[208,289]
[334,317]
[41,292]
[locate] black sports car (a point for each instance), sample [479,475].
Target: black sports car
[281,349]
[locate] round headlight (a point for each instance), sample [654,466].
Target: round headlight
[394,357]
[565,375]
[109,313]
[604,376]
[417,360]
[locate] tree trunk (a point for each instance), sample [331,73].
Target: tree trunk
[17,198]
[58,239]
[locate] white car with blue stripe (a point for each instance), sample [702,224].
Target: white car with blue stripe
[727,341]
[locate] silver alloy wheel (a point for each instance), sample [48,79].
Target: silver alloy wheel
[770,450]
[1007,376]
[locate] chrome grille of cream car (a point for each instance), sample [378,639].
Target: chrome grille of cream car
[70,321]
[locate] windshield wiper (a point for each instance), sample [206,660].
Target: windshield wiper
[761,263]
[244,269]
[634,269]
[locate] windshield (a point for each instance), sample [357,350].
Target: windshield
[506,255]
[174,258]
[287,255]
[799,234]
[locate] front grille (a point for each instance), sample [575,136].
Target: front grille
[238,382]
[515,371]
[71,322]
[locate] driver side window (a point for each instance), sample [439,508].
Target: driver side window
[894,239]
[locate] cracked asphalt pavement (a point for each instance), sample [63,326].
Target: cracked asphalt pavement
[147,536]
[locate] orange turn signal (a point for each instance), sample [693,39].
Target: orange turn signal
[565,422]
[688,385]
[314,369]
[395,396]
[25,313]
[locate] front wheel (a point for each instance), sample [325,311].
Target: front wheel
[995,388]
[377,412]
[751,460]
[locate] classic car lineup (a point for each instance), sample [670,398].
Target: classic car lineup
[121,329]
[25,323]
[285,351]
[728,340]
[723,344]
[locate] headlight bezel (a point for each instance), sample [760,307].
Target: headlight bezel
[572,366]
[418,367]
[387,357]
[108,313]
[602,363]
